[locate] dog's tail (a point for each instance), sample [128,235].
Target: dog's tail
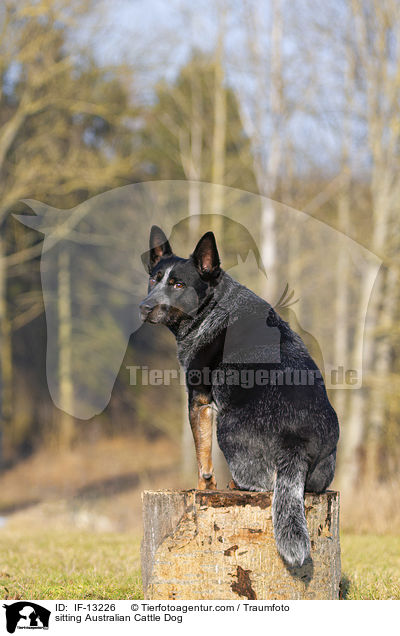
[288,515]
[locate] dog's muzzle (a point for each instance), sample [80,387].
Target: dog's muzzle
[150,313]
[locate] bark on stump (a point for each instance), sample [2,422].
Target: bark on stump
[220,545]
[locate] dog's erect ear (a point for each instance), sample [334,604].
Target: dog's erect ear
[159,245]
[205,256]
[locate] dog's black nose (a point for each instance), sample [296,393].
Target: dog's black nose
[144,309]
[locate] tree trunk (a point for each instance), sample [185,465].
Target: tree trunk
[219,135]
[189,464]
[381,370]
[381,94]
[6,369]
[268,159]
[66,425]
[193,172]
[341,328]
[268,248]
[217,193]
[220,545]
[344,223]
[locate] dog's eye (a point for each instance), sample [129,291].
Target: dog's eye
[179,285]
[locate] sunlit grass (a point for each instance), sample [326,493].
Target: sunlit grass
[84,565]
[370,566]
[69,565]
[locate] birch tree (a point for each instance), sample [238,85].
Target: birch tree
[264,112]
[220,117]
[376,37]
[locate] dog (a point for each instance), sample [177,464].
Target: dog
[278,432]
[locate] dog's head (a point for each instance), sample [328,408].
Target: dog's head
[178,286]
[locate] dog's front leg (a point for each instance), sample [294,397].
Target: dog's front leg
[201,418]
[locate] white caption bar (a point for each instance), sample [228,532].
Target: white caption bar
[151,617]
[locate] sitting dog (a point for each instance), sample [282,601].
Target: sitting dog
[275,424]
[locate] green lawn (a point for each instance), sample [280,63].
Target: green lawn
[70,565]
[370,566]
[83,565]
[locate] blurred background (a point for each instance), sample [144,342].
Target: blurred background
[296,101]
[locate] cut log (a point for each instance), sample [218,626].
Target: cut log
[220,545]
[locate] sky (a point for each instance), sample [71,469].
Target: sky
[157,37]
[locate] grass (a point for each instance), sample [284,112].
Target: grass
[69,565]
[370,566]
[74,522]
[84,565]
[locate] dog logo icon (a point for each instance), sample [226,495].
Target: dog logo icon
[26,615]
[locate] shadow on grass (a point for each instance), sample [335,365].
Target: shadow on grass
[344,587]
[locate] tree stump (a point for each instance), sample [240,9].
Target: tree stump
[220,545]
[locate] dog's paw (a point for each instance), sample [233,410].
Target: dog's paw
[207,482]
